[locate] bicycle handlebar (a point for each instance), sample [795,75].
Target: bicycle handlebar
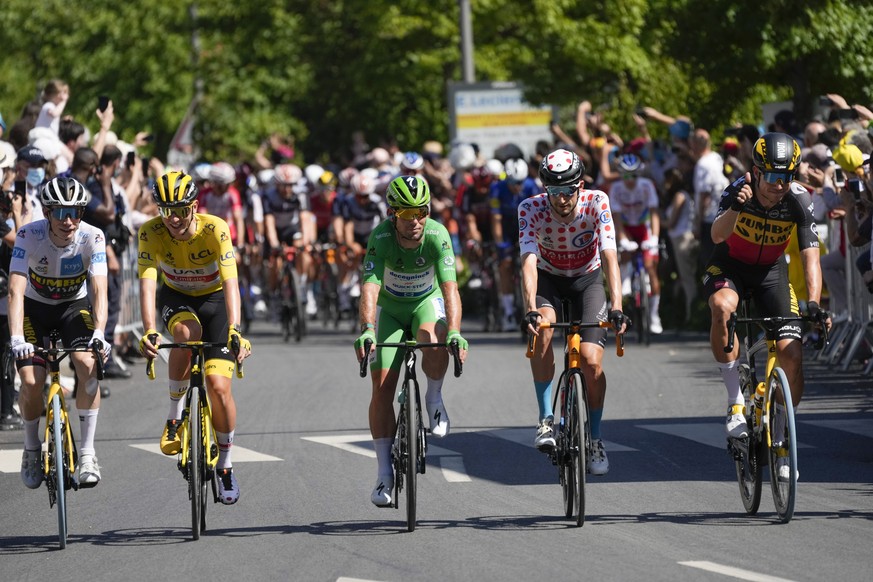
[93,349]
[193,346]
[453,348]
[770,324]
[575,326]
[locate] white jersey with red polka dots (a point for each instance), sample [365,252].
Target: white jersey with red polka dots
[568,250]
[634,205]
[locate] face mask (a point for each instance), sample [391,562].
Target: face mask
[35,176]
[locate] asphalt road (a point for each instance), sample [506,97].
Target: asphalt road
[490,505]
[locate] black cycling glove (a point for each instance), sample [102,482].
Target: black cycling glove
[616,318]
[533,318]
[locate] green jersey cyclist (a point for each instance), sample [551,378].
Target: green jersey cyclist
[409,283]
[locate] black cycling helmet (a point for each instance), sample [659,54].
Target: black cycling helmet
[174,189]
[776,152]
[561,168]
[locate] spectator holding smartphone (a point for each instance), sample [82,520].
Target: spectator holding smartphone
[55,96]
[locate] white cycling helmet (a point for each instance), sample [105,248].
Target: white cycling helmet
[288,174]
[64,191]
[222,173]
[201,171]
[313,172]
[462,156]
[516,170]
[266,176]
[494,167]
[412,161]
[362,185]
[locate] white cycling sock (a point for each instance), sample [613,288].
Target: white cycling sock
[225,442]
[178,388]
[87,428]
[654,303]
[434,390]
[730,374]
[383,456]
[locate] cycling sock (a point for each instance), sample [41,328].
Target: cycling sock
[225,442]
[178,388]
[654,303]
[544,398]
[730,374]
[596,417]
[508,303]
[87,428]
[31,434]
[383,456]
[434,392]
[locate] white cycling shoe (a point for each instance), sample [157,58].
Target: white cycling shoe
[89,471]
[735,426]
[383,491]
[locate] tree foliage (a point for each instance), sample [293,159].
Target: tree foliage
[323,69]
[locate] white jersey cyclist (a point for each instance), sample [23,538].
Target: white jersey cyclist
[633,200]
[568,250]
[58,275]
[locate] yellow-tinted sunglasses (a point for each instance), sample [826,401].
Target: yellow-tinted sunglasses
[179,211]
[413,213]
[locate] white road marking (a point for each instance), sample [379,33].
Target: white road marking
[706,433]
[240,454]
[10,461]
[344,579]
[362,444]
[859,426]
[734,572]
[524,437]
[453,469]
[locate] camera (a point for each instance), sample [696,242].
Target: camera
[857,187]
[641,112]
[825,101]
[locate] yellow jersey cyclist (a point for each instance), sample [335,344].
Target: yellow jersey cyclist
[409,283]
[51,262]
[199,300]
[753,226]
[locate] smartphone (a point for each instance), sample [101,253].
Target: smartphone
[149,138]
[825,101]
[131,159]
[839,177]
[848,114]
[102,102]
[641,112]
[20,187]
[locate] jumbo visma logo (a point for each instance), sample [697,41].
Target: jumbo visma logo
[56,288]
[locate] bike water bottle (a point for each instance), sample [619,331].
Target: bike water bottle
[759,403]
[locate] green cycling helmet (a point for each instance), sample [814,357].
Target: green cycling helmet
[408,192]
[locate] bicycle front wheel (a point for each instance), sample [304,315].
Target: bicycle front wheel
[563,440]
[749,453]
[412,452]
[195,464]
[207,474]
[578,434]
[782,425]
[58,469]
[645,309]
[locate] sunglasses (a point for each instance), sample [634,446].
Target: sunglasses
[412,213]
[778,177]
[64,212]
[178,211]
[566,191]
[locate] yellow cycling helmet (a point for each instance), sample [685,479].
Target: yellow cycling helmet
[174,189]
[776,152]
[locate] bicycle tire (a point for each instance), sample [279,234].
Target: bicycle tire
[561,455]
[748,453]
[58,469]
[579,442]
[412,453]
[205,469]
[195,471]
[645,309]
[784,492]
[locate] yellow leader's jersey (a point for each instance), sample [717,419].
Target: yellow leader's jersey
[197,266]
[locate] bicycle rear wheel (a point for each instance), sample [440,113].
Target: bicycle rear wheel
[645,309]
[578,433]
[784,490]
[563,440]
[58,469]
[412,450]
[748,453]
[195,461]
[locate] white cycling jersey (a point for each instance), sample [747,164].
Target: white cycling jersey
[568,250]
[58,274]
[634,205]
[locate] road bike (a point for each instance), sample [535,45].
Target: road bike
[60,458]
[761,392]
[641,288]
[199,453]
[292,315]
[409,451]
[572,427]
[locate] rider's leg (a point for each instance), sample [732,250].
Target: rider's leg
[542,364]
[30,401]
[87,400]
[223,407]
[595,379]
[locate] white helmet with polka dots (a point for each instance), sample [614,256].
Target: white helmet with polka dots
[561,168]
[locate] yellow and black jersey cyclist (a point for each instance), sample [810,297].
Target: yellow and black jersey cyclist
[199,300]
[754,224]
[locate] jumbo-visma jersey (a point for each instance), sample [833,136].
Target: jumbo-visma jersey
[761,235]
[197,266]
